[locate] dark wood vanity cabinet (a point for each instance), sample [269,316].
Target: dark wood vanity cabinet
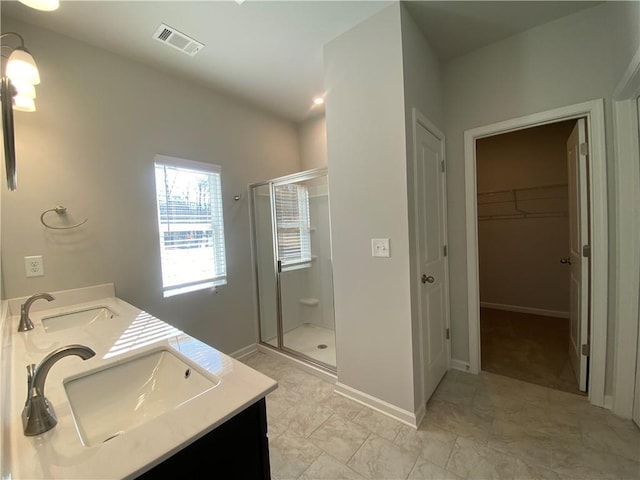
[237,449]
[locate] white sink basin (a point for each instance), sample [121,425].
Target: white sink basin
[79,318]
[108,402]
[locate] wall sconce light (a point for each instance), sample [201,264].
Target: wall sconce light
[17,91]
[23,72]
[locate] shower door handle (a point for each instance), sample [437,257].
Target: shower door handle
[428,279]
[279,266]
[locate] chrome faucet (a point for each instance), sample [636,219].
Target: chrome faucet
[38,415]
[25,322]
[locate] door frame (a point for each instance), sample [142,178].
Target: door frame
[578,223]
[597,182]
[627,194]
[419,118]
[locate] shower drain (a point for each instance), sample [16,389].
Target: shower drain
[322,346]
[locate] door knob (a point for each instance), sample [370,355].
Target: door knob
[428,279]
[565,261]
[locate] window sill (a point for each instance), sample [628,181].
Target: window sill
[174,291]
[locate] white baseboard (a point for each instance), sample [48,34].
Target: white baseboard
[608,402]
[404,416]
[420,413]
[531,310]
[460,365]
[326,376]
[243,352]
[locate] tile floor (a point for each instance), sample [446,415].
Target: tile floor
[477,426]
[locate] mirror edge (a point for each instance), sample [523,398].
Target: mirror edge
[6,95]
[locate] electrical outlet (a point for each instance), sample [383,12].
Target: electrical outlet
[34,266]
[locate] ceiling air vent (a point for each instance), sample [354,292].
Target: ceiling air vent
[177,40]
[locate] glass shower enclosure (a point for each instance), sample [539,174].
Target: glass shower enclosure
[293,267]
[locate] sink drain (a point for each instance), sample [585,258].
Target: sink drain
[322,346]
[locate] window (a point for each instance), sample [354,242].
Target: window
[190,224]
[292,220]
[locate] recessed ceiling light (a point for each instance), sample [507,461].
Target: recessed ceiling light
[46,5]
[318,100]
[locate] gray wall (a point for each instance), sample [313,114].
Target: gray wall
[368,183]
[625,34]
[90,146]
[571,60]
[312,135]
[423,91]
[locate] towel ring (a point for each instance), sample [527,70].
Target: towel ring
[60,210]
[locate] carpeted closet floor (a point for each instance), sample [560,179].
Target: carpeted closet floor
[527,347]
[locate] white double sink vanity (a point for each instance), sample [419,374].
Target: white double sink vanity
[152,401]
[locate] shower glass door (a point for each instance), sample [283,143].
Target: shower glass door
[303,252]
[292,253]
[265,264]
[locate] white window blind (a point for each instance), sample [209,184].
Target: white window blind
[191,226]
[293,228]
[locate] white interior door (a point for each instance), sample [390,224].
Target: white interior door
[636,399]
[578,238]
[431,239]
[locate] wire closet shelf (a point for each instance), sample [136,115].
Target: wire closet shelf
[524,203]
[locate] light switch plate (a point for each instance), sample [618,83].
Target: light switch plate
[380,247]
[34,266]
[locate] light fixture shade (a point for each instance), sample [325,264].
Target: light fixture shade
[46,5]
[24,104]
[24,89]
[21,67]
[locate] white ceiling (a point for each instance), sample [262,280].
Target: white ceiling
[454,28]
[270,52]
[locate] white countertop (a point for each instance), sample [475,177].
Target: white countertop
[60,453]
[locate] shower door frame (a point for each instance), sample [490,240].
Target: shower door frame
[284,180]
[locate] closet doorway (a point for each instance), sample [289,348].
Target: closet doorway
[594,157]
[533,280]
